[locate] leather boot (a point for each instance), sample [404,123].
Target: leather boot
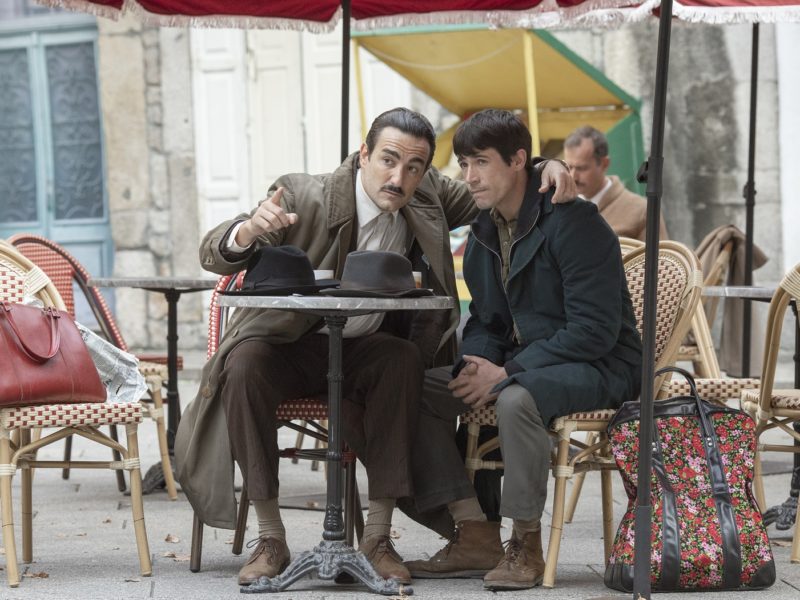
[474,549]
[380,552]
[269,559]
[521,568]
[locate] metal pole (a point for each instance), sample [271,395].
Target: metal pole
[652,172]
[345,77]
[749,194]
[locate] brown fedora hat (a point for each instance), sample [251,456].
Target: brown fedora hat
[280,271]
[377,275]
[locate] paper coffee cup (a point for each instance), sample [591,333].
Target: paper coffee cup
[417,278]
[323,274]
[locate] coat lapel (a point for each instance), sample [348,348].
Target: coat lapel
[340,194]
[528,238]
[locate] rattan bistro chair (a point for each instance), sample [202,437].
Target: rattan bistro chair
[304,415]
[772,408]
[627,245]
[699,346]
[679,281]
[67,273]
[20,278]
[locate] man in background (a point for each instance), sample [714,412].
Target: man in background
[586,154]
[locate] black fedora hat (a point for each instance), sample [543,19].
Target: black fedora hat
[377,275]
[280,271]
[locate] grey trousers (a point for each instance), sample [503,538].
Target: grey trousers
[438,469]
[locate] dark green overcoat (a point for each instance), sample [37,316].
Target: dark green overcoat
[578,348]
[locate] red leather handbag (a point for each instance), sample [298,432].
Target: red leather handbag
[44,359]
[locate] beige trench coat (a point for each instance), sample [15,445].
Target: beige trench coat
[325,205]
[626,212]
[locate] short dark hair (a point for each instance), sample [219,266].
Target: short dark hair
[587,132]
[493,128]
[407,121]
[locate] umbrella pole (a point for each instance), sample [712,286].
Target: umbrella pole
[652,172]
[345,78]
[749,194]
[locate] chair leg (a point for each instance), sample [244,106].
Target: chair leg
[26,495]
[358,511]
[67,456]
[315,463]
[137,507]
[166,464]
[120,473]
[795,555]
[349,501]
[577,484]
[298,442]
[196,553]
[12,569]
[471,458]
[241,522]
[608,509]
[557,524]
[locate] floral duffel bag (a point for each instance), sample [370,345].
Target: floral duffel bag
[707,532]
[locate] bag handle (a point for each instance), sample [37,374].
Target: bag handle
[55,335]
[719,484]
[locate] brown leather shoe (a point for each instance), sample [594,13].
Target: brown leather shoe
[521,568]
[380,551]
[474,549]
[269,559]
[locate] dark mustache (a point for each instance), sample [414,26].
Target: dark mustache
[393,189]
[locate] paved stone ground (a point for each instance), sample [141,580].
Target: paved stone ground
[84,546]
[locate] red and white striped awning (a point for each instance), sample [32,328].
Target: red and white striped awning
[323,15]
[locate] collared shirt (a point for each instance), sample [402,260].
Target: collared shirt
[377,230]
[599,195]
[505,233]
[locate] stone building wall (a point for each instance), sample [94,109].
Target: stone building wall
[706,134]
[145,87]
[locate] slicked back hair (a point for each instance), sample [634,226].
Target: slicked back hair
[493,128]
[587,132]
[407,121]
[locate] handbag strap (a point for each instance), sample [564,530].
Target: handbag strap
[52,316]
[731,543]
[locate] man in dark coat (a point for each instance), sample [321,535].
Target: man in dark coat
[551,332]
[385,197]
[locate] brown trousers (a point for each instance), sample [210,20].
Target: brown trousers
[382,386]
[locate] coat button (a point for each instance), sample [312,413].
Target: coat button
[207,392]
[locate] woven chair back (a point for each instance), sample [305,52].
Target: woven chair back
[627,245]
[678,289]
[20,278]
[65,270]
[217,314]
[788,288]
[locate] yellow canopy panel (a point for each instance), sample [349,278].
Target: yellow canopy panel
[469,70]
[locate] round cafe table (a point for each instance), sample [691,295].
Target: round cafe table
[333,555]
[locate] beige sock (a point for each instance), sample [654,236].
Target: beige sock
[269,519]
[467,509]
[521,527]
[379,518]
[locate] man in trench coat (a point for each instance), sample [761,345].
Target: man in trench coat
[551,332]
[269,356]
